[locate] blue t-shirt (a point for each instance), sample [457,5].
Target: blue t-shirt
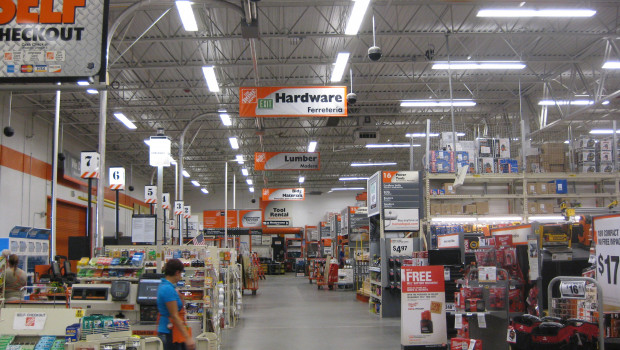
[166,293]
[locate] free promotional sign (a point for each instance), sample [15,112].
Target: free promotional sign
[304,101]
[607,231]
[56,39]
[117,178]
[150,194]
[423,300]
[287,161]
[89,164]
[283,194]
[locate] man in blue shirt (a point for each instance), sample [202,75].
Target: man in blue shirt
[170,306]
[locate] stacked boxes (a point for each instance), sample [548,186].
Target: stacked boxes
[480,208]
[552,157]
[441,162]
[483,156]
[605,155]
[494,156]
[585,155]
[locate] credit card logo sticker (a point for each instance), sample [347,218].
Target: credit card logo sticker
[27,68]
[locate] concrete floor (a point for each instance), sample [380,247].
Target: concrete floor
[290,313]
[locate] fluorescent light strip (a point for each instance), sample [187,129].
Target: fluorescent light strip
[239,158]
[204,190]
[479,65]
[611,65]
[547,218]
[312,146]
[187,15]
[356,17]
[422,135]
[373,164]
[244,171]
[234,143]
[209,73]
[519,12]
[339,66]
[437,103]
[128,123]
[225,119]
[185,173]
[566,102]
[251,189]
[348,189]
[389,145]
[603,131]
[480,219]
[302,179]
[83,83]
[195,183]
[92,91]
[353,178]
[500,218]
[249,181]
[455,219]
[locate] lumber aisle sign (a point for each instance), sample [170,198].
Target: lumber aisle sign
[50,39]
[303,101]
[287,161]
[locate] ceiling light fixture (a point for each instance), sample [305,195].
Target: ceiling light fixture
[92,91]
[204,190]
[83,83]
[353,178]
[128,123]
[187,15]
[567,142]
[225,118]
[185,173]
[195,183]
[391,145]
[611,65]
[479,65]
[239,158]
[302,179]
[312,146]
[356,17]
[244,171]
[209,73]
[566,102]
[252,189]
[520,12]
[249,181]
[373,164]
[547,218]
[339,66]
[421,135]
[437,103]
[234,143]
[348,189]
[603,131]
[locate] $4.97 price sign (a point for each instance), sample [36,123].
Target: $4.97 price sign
[401,246]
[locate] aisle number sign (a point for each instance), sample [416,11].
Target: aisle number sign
[165,198]
[401,246]
[178,208]
[117,178]
[150,194]
[89,165]
[573,289]
[607,230]
[302,101]
[187,212]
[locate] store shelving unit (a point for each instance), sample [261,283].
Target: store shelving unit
[374,303]
[3,265]
[294,248]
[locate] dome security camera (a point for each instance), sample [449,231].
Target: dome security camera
[9,131]
[351,98]
[253,200]
[375,53]
[130,188]
[61,157]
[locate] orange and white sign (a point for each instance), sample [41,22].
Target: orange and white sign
[302,101]
[284,194]
[89,165]
[117,178]
[250,218]
[287,161]
[400,176]
[217,218]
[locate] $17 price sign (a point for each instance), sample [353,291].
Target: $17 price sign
[608,268]
[607,230]
[401,246]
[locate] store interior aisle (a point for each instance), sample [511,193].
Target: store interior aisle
[289,313]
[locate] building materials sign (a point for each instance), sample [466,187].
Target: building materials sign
[306,101]
[607,259]
[283,194]
[286,161]
[51,39]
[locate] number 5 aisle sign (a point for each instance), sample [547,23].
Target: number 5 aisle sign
[607,231]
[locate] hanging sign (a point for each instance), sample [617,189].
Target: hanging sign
[307,101]
[56,39]
[117,178]
[178,208]
[150,194]
[607,231]
[283,194]
[159,151]
[165,198]
[423,301]
[34,321]
[287,161]
[373,187]
[250,218]
[89,165]
[187,212]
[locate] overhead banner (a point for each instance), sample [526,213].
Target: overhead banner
[54,40]
[287,161]
[423,301]
[217,218]
[250,218]
[607,233]
[303,101]
[277,214]
[283,194]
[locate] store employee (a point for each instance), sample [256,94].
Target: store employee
[172,328]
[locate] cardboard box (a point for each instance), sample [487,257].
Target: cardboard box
[552,168]
[606,157]
[435,209]
[449,188]
[446,209]
[552,148]
[551,187]
[531,188]
[469,209]
[541,188]
[462,156]
[457,209]
[551,158]
[466,146]
[606,167]
[606,145]
[482,208]
[485,147]
[502,148]
[586,156]
[441,155]
[545,208]
[561,186]
[486,166]
[506,166]
[532,208]
[587,167]
[441,162]
[585,143]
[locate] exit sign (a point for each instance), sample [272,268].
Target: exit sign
[265,103]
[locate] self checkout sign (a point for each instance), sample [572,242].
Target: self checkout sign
[573,289]
[401,246]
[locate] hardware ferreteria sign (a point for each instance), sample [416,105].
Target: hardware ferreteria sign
[286,161]
[306,101]
[51,39]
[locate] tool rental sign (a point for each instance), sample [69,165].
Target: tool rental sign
[48,40]
[307,101]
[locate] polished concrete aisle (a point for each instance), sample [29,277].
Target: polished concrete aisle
[290,313]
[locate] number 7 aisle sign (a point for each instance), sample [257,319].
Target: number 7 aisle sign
[607,231]
[89,165]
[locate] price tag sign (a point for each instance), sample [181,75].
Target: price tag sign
[165,198]
[450,307]
[401,246]
[178,208]
[458,321]
[573,289]
[89,165]
[607,230]
[187,212]
[117,178]
[487,274]
[150,194]
[482,321]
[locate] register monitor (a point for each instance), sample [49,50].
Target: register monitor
[147,291]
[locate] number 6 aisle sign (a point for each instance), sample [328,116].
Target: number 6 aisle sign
[178,208]
[150,194]
[89,165]
[117,178]
[607,230]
